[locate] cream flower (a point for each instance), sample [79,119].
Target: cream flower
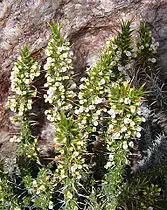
[153,60]
[128,53]
[127,101]
[121,68]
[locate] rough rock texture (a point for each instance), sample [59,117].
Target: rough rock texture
[87,23]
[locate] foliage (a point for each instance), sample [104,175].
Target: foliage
[135,193]
[104,104]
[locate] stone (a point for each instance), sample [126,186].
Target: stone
[87,24]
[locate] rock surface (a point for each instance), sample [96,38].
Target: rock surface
[87,23]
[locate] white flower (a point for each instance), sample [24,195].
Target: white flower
[30,101]
[71,53]
[50,205]
[75,154]
[153,60]
[98,112]
[49,79]
[20,113]
[73,168]
[131,144]
[112,63]
[47,112]
[13,139]
[29,106]
[73,86]
[83,122]
[127,101]
[42,187]
[19,58]
[138,134]
[87,109]
[66,77]
[116,136]
[18,91]
[133,109]
[123,129]
[114,46]
[104,110]
[110,128]
[82,79]
[46,66]
[126,121]
[50,118]
[138,128]
[38,191]
[80,95]
[81,109]
[69,61]
[118,53]
[64,69]
[12,108]
[31,77]
[112,112]
[37,74]
[108,42]
[94,129]
[111,157]
[91,107]
[95,123]
[152,47]
[34,66]
[57,84]
[124,145]
[143,119]
[47,52]
[108,165]
[120,68]
[81,87]
[102,81]
[128,53]
[46,85]
[132,123]
[157,43]
[142,47]
[65,55]
[98,100]
[81,102]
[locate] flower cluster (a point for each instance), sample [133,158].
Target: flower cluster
[94,108]
[61,93]
[59,74]
[20,101]
[109,106]
[22,90]
[115,111]
[147,46]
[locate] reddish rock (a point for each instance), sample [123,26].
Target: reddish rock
[87,23]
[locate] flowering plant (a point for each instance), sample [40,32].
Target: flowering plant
[103,107]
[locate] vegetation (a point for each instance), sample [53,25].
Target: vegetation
[98,115]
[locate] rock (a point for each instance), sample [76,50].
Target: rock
[87,23]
